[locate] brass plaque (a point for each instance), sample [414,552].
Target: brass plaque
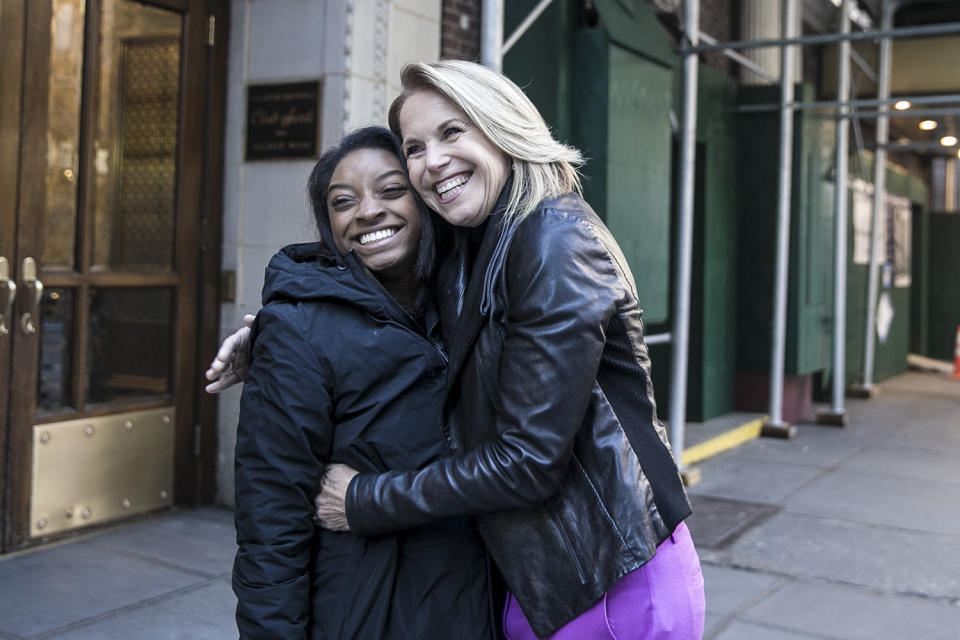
[283,120]
[97,469]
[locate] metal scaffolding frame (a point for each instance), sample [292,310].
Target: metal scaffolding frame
[844,109]
[491,34]
[684,259]
[879,187]
[831,38]
[946,98]
[837,416]
[775,426]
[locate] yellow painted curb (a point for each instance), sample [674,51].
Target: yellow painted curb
[727,440]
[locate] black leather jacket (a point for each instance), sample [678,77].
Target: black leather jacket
[550,408]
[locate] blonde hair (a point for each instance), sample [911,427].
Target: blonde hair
[542,167]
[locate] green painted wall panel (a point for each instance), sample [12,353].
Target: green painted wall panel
[809,297]
[890,357]
[812,247]
[633,25]
[944,284]
[713,295]
[588,113]
[538,61]
[638,173]
[613,102]
[920,298]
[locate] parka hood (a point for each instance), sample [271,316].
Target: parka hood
[310,271]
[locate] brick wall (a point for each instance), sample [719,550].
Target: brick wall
[460,29]
[719,19]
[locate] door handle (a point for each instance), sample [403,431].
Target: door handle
[11,295]
[28,272]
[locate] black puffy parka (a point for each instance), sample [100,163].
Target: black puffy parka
[551,406]
[341,373]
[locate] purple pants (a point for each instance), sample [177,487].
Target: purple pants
[661,600]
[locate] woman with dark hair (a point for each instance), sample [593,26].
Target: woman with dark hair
[346,367]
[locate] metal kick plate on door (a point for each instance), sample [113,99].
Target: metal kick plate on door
[97,469]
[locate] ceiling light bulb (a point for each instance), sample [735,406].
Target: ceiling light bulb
[901,105]
[948,141]
[928,125]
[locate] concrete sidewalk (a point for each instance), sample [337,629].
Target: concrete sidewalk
[850,533]
[164,577]
[840,533]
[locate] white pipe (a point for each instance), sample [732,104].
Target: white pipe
[840,221]
[744,61]
[658,338]
[864,67]
[491,34]
[783,221]
[522,29]
[681,301]
[879,188]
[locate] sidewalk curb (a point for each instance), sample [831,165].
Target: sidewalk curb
[723,442]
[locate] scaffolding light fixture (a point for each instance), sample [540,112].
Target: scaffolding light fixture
[948,141]
[927,125]
[901,105]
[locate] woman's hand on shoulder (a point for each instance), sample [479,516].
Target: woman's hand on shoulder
[330,504]
[230,365]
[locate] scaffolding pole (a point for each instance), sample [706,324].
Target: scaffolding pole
[491,34]
[879,189]
[837,416]
[775,426]
[681,300]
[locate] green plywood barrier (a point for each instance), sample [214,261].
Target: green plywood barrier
[944,302]
[809,297]
[613,102]
[607,83]
[713,294]
[907,303]
[638,173]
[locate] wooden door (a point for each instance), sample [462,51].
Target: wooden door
[102,240]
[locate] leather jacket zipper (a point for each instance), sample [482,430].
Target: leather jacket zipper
[566,542]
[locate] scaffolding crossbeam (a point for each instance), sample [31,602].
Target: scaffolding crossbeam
[830,38]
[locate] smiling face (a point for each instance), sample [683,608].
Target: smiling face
[373,212]
[457,171]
